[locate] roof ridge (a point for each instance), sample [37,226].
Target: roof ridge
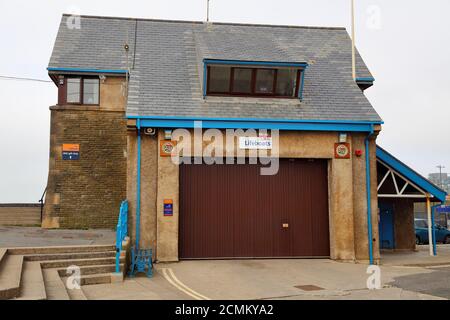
[210,23]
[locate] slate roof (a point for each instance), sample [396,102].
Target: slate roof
[166,61]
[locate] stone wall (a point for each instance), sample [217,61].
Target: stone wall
[86,193]
[21,214]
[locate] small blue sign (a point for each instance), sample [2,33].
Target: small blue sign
[71,155]
[443,209]
[168,208]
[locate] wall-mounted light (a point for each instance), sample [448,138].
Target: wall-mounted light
[342,137]
[168,134]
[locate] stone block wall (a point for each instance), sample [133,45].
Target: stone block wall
[87,193]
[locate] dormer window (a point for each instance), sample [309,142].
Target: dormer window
[254,81]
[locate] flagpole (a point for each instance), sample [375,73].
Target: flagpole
[353,42]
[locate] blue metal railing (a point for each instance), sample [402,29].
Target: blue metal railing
[122,231]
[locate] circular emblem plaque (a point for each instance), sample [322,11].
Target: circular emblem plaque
[342,150]
[167,147]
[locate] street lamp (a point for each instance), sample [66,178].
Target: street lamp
[440,167]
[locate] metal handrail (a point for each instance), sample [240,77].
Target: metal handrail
[121,231]
[41,201]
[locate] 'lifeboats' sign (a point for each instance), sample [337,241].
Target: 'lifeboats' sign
[255,143]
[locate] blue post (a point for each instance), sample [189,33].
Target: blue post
[118,245]
[369,206]
[122,231]
[138,183]
[433,210]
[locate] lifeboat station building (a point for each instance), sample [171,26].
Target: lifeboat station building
[228,141]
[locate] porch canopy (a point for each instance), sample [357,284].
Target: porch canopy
[397,180]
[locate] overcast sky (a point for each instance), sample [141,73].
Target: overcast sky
[405,44]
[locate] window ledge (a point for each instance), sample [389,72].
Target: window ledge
[253,100]
[83,108]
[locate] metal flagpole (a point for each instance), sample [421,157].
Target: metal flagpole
[353,42]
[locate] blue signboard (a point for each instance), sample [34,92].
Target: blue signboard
[71,155]
[443,209]
[168,207]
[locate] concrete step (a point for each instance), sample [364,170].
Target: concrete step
[91,279]
[54,285]
[74,294]
[70,256]
[32,284]
[78,262]
[93,269]
[62,249]
[10,275]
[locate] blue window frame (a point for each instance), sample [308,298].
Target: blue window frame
[253,79]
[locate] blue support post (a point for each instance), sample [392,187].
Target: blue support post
[433,210]
[138,183]
[118,247]
[369,205]
[121,231]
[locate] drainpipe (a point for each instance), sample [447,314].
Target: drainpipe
[369,199]
[138,183]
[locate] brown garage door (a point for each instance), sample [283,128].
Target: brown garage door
[231,211]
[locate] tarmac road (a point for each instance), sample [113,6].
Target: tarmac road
[436,283]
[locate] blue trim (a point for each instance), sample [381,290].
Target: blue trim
[205,78]
[410,174]
[302,85]
[87,70]
[257,63]
[138,184]
[369,79]
[369,198]
[237,124]
[253,120]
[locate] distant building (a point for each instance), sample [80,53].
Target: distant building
[436,179]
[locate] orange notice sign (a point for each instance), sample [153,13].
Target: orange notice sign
[71,147]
